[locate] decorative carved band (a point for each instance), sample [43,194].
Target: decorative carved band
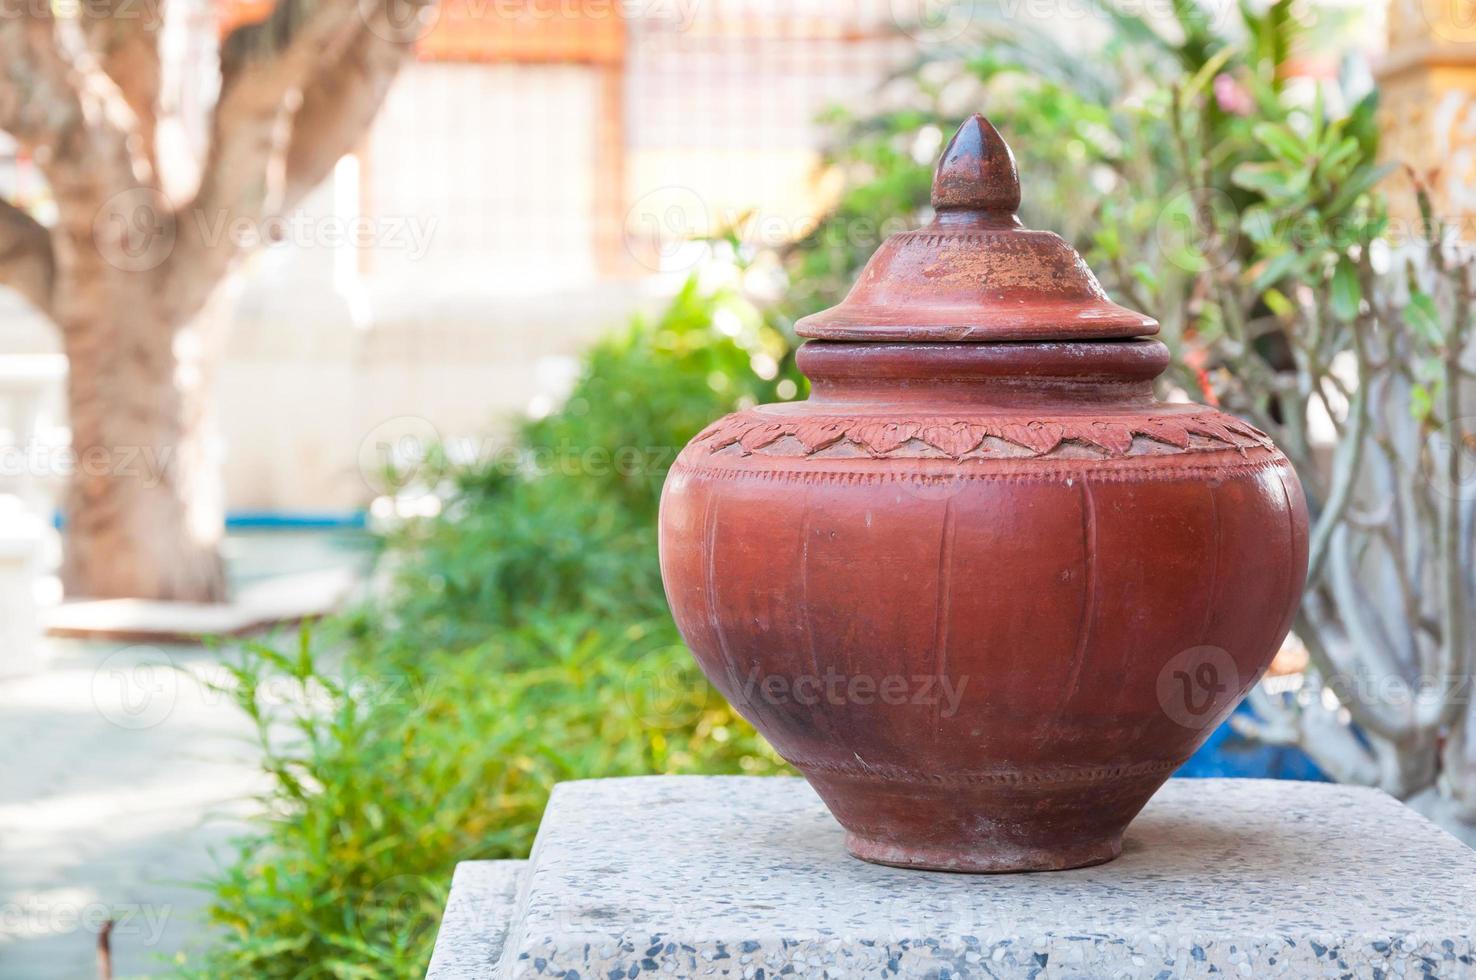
[1013,240]
[1028,469]
[955,437]
[997,777]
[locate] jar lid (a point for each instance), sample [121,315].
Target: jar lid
[975,274]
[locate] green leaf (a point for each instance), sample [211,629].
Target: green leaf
[1282,31]
[1421,316]
[1273,180]
[1420,403]
[1274,271]
[1257,224]
[1146,276]
[1281,140]
[1363,124]
[1430,372]
[1207,72]
[1359,182]
[1346,292]
[1318,116]
[1278,303]
[1340,154]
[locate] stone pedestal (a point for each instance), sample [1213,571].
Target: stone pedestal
[748,877]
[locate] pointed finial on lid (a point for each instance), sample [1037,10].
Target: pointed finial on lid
[977,171]
[975,273]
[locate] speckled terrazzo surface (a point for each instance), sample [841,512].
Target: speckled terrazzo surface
[747,877]
[475,922]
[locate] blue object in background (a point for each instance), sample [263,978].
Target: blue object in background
[1230,754]
[275,520]
[255,520]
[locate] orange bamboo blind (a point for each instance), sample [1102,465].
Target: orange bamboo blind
[580,31]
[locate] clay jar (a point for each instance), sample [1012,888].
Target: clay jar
[982,589]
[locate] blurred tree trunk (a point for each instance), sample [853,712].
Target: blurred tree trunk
[133,267]
[144,503]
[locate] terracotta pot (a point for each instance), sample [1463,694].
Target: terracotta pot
[982,589]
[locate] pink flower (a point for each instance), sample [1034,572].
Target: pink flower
[1232,96]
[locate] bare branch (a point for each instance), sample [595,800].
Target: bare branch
[264,68]
[1454,658]
[257,167]
[341,100]
[58,103]
[123,35]
[1350,449]
[1310,628]
[27,263]
[39,103]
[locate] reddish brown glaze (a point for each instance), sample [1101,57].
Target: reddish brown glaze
[985,594]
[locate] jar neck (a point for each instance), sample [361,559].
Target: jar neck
[1006,375]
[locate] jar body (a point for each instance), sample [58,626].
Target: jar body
[985,620]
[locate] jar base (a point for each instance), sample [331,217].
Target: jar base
[1028,818]
[984,856]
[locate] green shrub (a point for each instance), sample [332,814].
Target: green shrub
[525,641]
[384,775]
[565,520]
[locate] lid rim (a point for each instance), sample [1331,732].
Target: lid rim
[1111,323]
[905,335]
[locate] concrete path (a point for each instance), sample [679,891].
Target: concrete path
[120,772]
